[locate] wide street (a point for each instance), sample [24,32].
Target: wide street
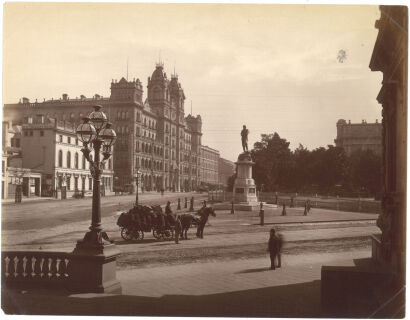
[230,261]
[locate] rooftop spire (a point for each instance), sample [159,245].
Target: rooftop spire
[160,63]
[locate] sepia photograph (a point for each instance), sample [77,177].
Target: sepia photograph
[204,159]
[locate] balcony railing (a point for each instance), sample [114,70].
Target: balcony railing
[38,268]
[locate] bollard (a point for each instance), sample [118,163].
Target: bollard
[186,203]
[232,209]
[191,206]
[284,210]
[179,204]
[262,216]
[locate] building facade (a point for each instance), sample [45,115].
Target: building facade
[154,137]
[390,57]
[52,148]
[14,175]
[226,169]
[209,164]
[359,136]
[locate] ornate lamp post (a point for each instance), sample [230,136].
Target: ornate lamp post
[94,257]
[137,185]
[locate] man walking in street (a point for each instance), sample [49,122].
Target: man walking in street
[274,248]
[178,228]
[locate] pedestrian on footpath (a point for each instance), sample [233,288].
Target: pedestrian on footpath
[274,248]
[178,229]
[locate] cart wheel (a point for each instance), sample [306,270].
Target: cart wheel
[157,234]
[138,234]
[169,234]
[126,234]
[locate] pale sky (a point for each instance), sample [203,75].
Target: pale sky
[271,67]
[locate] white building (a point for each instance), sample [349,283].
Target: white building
[52,148]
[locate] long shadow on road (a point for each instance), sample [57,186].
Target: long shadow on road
[296,300]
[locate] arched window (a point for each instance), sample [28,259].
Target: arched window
[60,158]
[123,115]
[109,164]
[84,162]
[76,160]
[118,115]
[68,159]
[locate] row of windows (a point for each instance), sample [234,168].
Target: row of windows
[76,164]
[30,133]
[81,185]
[148,148]
[147,134]
[68,140]
[148,164]
[122,115]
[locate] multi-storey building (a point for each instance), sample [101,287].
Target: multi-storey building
[226,169]
[52,148]
[359,136]
[154,137]
[209,161]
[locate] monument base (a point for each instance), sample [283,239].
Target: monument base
[244,206]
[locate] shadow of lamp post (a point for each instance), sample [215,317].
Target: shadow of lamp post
[94,257]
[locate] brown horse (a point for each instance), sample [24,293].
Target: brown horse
[204,213]
[187,220]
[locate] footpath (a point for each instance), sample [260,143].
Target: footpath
[240,288]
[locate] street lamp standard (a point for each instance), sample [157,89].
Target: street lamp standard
[96,133]
[137,185]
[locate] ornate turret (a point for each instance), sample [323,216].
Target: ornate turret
[158,85]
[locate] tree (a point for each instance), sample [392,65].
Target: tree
[365,171]
[272,158]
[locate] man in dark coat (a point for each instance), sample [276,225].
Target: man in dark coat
[168,208]
[178,229]
[274,248]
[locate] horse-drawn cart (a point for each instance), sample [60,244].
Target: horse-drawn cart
[140,219]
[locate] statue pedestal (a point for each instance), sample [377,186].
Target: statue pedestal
[244,190]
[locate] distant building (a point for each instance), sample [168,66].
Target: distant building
[359,136]
[226,169]
[208,166]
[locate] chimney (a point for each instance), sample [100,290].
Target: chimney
[65,96]
[82,97]
[26,100]
[377,120]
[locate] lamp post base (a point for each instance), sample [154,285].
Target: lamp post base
[93,267]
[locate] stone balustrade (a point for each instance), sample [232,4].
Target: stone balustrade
[35,268]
